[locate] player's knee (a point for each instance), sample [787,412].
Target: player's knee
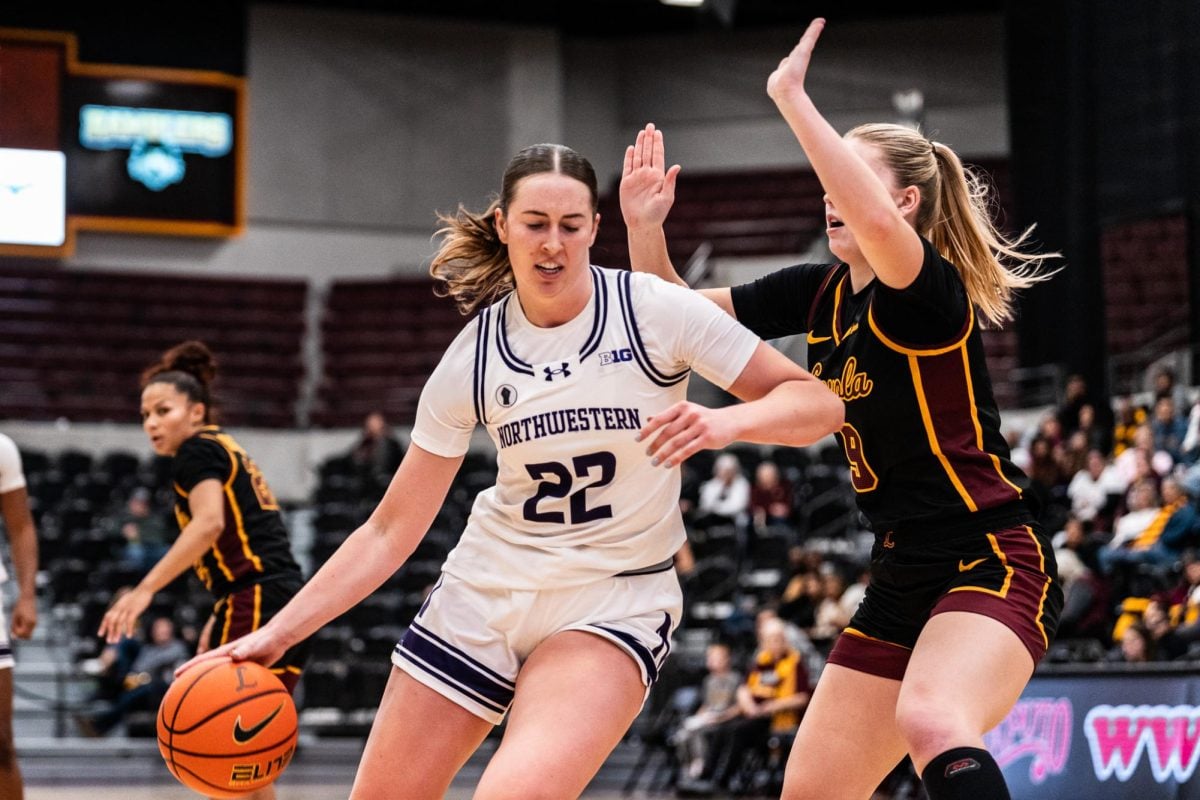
[926,722]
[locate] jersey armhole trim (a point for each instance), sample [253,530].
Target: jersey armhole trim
[911,350]
[625,296]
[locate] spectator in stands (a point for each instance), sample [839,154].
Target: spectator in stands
[1169,428]
[1129,417]
[770,497]
[22,544]
[725,497]
[920,259]
[149,675]
[1081,540]
[831,617]
[232,532]
[771,701]
[144,531]
[1183,602]
[1168,645]
[718,705]
[377,454]
[1152,532]
[1141,459]
[1086,596]
[1166,384]
[1093,489]
[1075,397]
[1136,646]
[559,598]
[1097,436]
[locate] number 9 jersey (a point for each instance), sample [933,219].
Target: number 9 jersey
[576,496]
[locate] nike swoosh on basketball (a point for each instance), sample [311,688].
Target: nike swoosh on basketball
[242,735]
[968,567]
[818,339]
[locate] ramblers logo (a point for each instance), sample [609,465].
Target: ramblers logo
[852,385]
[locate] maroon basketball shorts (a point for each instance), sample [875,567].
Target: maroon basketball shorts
[247,609]
[1007,573]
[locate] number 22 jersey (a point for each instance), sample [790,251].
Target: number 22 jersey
[576,497]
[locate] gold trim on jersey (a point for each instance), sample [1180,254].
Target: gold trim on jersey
[226,441]
[228,618]
[909,351]
[931,434]
[861,635]
[1002,592]
[995,459]
[1045,588]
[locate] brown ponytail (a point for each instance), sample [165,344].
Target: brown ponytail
[956,216]
[190,367]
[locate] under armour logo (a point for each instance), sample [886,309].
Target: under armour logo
[551,371]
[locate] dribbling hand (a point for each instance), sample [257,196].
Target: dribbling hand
[789,76]
[647,188]
[262,646]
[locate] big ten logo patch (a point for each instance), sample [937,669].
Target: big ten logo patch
[616,356]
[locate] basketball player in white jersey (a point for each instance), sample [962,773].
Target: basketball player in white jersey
[557,606]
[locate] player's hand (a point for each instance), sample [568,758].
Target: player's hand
[647,188]
[789,76]
[262,646]
[122,617]
[24,617]
[683,430]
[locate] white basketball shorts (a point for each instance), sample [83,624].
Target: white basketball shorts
[468,644]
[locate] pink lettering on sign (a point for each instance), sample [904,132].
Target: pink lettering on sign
[1038,728]
[1169,737]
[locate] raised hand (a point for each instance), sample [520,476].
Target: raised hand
[789,75]
[647,188]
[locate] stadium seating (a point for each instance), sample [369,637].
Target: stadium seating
[73,343]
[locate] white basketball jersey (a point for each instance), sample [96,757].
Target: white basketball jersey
[576,497]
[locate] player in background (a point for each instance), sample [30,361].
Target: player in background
[231,530]
[964,597]
[22,543]
[557,606]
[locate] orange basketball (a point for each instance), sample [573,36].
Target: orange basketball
[227,728]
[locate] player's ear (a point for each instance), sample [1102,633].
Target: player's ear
[500,223]
[595,229]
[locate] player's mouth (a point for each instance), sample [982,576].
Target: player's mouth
[549,269]
[832,222]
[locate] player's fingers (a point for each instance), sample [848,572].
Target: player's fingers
[669,180]
[637,149]
[658,151]
[648,145]
[686,419]
[628,166]
[680,447]
[656,422]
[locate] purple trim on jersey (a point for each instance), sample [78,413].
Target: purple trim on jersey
[455,668]
[481,348]
[600,293]
[506,351]
[625,296]
[636,648]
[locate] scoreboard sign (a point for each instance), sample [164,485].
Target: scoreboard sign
[146,150]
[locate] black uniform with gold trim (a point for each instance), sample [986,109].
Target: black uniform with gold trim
[250,568]
[922,434]
[922,439]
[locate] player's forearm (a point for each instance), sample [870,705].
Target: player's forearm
[357,568]
[795,413]
[194,541]
[648,253]
[24,550]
